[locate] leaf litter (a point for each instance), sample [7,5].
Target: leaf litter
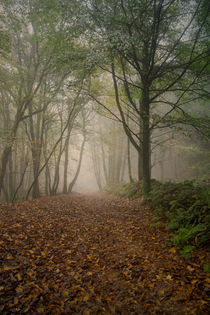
[94,254]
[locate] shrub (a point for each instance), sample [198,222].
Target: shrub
[128,190]
[185,235]
[186,252]
[185,207]
[206,268]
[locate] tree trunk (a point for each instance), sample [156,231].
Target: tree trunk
[71,185]
[66,161]
[11,187]
[8,149]
[145,140]
[129,161]
[96,167]
[140,161]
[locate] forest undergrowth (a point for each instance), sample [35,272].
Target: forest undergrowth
[94,254]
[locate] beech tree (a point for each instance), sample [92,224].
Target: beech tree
[43,58]
[151,49]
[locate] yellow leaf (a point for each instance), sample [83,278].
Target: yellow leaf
[68,251]
[19,277]
[40,310]
[15,300]
[161,292]
[66,293]
[26,309]
[169,277]
[207,280]
[190,268]
[9,256]
[1,287]
[172,250]
[6,268]
[19,289]
[98,298]
[86,297]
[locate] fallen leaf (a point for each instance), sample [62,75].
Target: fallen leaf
[172,250]
[19,277]
[86,297]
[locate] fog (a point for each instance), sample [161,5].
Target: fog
[86,182]
[88,103]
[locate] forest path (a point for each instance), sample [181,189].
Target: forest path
[92,254]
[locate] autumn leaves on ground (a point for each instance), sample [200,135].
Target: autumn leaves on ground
[95,254]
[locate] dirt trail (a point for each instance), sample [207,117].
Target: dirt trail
[93,254]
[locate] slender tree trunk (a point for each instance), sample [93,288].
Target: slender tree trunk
[129,160]
[20,184]
[36,164]
[47,181]
[104,162]
[119,157]
[140,161]
[96,167]
[56,175]
[123,165]
[103,155]
[129,152]
[140,166]
[146,140]
[10,177]
[71,185]
[35,155]
[8,148]
[66,161]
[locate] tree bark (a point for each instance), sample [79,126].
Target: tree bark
[146,140]
[8,148]
[66,161]
[71,185]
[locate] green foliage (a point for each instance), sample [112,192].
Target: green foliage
[4,41]
[128,190]
[184,207]
[186,251]
[206,268]
[185,235]
[157,223]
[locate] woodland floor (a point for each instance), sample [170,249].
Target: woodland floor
[93,254]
